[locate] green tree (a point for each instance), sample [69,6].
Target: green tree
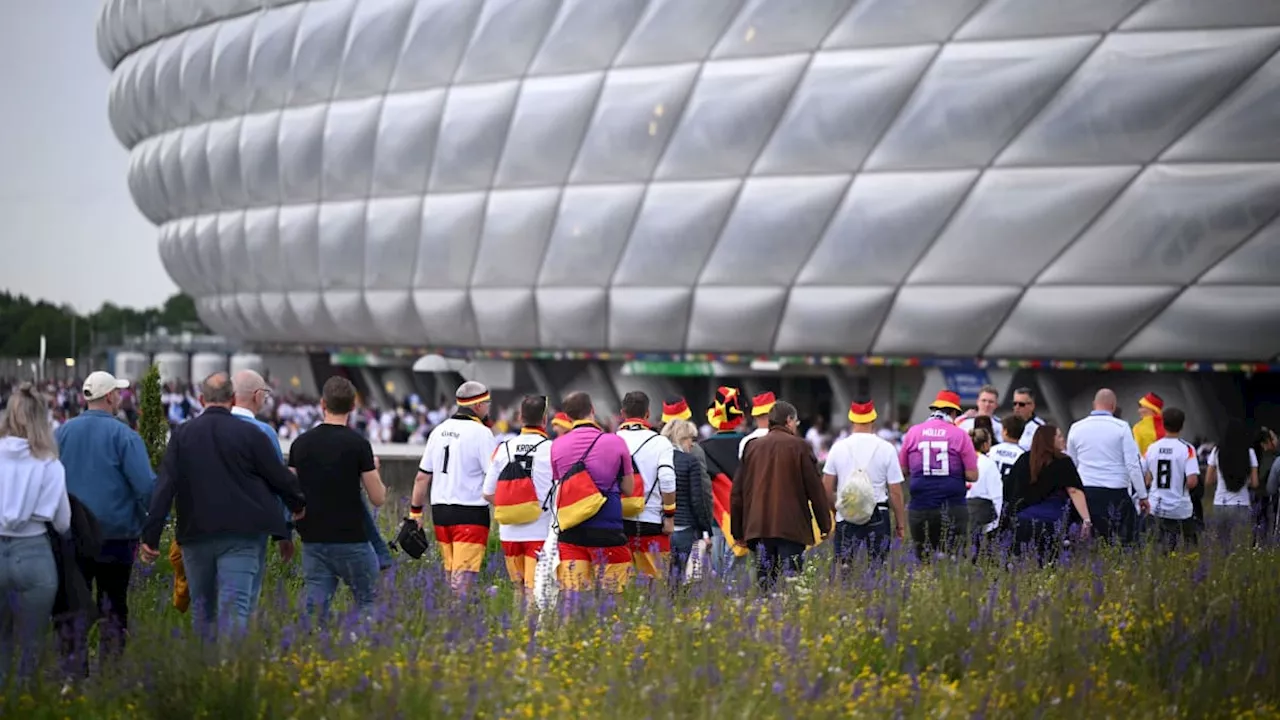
[152,424]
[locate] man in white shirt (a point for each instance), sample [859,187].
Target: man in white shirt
[451,475]
[649,534]
[760,407]
[522,542]
[1110,468]
[1171,471]
[863,450]
[988,401]
[1024,406]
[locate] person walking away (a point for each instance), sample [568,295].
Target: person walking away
[1045,487]
[1024,406]
[649,534]
[1106,457]
[528,484]
[865,455]
[1151,423]
[225,478]
[334,464]
[760,406]
[1233,467]
[722,461]
[988,403]
[1005,454]
[985,498]
[251,394]
[773,492]
[1264,446]
[694,522]
[108,470]
[595,552]
[939,459]
[451,475]
[33,495]
[1171,471]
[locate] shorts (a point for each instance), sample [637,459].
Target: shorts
[522,559]
[462,546]
[584,568]
[650,554]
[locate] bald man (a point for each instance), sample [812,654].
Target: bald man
[1106,456]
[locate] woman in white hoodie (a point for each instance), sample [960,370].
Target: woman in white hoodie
[33,491]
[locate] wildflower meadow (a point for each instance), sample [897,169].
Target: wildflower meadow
[1101,634]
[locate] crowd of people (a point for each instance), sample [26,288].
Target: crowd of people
[576,503]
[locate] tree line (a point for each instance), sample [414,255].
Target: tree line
[23,321]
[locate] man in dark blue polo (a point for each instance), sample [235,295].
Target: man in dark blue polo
[226,477]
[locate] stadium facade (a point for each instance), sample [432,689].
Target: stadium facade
[1094,179]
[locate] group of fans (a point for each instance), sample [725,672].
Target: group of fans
[591,506]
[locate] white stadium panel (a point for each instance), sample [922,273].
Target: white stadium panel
[1089,180]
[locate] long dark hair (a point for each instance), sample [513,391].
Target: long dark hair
[1044,449]
[1233,455]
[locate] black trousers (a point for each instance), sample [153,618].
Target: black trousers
[1113,515]
[938,530]
[108,574]
[773,557]
[1173,531]
[875,535]
[1037,536]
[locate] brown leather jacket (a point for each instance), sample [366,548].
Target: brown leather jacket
[774,488]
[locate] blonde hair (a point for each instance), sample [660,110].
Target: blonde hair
[677,431]
[981,438]
[28,418]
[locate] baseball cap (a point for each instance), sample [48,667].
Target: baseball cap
[99,384]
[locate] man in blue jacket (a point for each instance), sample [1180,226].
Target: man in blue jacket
[109,472]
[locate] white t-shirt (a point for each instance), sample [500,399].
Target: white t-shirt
[537,448]
[1029,432]
[757,433]
[867,452]
[652,454]
[967,426]
[1170,461]
[1223,496]
[457,456]
[1005,455]
[989,485]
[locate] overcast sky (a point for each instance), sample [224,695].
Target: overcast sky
[69,230]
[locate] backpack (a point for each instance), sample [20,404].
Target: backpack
[515,501]
[857,499]
[577,497]
[633,504]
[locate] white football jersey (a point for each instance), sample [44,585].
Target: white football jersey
[1005,455]
[1170,461]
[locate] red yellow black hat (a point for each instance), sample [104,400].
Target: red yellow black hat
[946,400]
[471,393]
[675,409]
[762,404]
[862,413]
[562,420]
[725,412]
[1152,402]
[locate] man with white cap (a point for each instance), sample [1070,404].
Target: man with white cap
[108,470]
[451,475]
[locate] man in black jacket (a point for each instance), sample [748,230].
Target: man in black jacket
[225,476]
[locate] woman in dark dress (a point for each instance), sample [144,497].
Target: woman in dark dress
[1045,487]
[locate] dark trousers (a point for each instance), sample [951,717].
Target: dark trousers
[1173,531]
[774,557]
[938,529]
[1113,515]
[108,575]
[875,536]
[1037,536]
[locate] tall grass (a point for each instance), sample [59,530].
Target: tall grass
[1104,634]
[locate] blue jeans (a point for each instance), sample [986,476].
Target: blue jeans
[379,544]
[323,564]
[875,536]
[722,557]
[28,587]
[224,575]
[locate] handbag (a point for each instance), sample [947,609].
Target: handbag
[693,567]
[412,539]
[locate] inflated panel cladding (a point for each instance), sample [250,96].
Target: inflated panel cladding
[728,175]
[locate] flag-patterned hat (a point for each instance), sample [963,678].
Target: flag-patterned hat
[675,408]
[762,404]
[1152,402]
[862,413]
[946,400]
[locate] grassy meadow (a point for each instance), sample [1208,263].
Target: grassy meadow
[1103,634]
